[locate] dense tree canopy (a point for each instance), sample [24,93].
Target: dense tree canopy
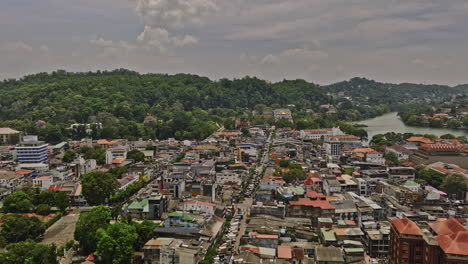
[18,202]
[19,228]
[28,252]
[98,187]
[87,226]
[136,155]
[115,243]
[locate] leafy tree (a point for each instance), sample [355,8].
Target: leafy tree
[136,155]
[43,209]
[284,163]
[392,158]
[62,201]
[115,243]
[431,177]
[45,197]
[28,252]
[455,185]
[245,132]
[118,172]
[69,156]
[294,175]
[98,187]
[448,136]
[18,202]
[87,226]
[19,228]
[145,231]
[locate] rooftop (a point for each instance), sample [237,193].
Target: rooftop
[407,227]
[447,227]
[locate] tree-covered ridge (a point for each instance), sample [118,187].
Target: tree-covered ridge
[62,97]
[132,105]
[395,95]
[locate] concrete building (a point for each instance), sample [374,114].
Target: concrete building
[165,250]
[228,176]
[31,151]
[276,209]
[317,134]
[113,154]
[282,114]
[197,206]
[9,136]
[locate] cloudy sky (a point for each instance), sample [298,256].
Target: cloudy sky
[323,41]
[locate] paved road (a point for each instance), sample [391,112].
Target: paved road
[245,207]
[61,231]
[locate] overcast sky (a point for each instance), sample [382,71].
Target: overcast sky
[323,41]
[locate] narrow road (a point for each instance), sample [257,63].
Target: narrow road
[61,231]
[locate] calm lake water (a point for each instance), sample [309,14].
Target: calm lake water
[391,123]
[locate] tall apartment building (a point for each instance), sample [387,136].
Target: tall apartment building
[31,150]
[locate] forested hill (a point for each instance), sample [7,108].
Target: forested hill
[365,90]
[66,97]
[132,105]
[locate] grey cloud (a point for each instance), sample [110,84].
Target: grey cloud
[322,41]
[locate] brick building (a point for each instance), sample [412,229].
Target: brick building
[445,242]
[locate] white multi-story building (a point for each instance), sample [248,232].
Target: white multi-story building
[401,152]
[332,147]
[114,153]
[228,176]
[317,134]
[31,150]
[44,182]
[271,184]
[204,207]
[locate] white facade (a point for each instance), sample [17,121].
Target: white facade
[270,184]
[377,158]
[114,153]
[317,134]
[228,176]
[400,155]
[45,182]
[204,207]
[332,148]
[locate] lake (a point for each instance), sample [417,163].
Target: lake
[391,123]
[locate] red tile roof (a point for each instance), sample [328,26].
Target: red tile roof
[311,194]
[118,160]
[24,172]
[400,149]
[55,187]
[439,148]
[284,252]
[364,150]
[323,204]
[447,227]
[264,236]
[455,243]
[106,142]
[407,227]
[420,140]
